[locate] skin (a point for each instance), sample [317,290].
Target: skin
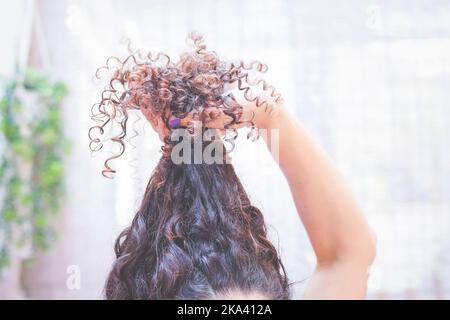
[342,240]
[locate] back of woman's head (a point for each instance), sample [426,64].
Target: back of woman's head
[196,234]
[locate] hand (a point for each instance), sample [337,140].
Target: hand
[258,104]
[260,107]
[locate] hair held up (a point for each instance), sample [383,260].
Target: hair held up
[196,234]
[168,88]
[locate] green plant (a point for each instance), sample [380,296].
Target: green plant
[32,147]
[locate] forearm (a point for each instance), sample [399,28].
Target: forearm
[333,220]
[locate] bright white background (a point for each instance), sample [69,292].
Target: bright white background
[369,79]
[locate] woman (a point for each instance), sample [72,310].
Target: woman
[196,234]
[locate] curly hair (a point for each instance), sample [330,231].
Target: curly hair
[196,234]
[186,87]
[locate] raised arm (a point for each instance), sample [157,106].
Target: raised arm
[342,240]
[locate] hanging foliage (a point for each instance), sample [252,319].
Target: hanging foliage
[32,147]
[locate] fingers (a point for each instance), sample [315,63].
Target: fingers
[211,117]
[216,118]
[221,121]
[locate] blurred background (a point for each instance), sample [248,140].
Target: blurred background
[370,79]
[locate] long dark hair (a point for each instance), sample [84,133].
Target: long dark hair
[196,234]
